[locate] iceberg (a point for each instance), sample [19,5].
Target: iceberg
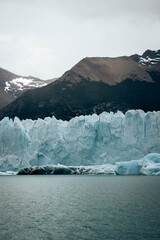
[93,140]
[149,165]
[7,173]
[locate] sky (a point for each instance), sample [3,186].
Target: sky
[45,38]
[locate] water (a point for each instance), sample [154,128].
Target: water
[79,207]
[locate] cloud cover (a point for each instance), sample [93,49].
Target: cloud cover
[46,38]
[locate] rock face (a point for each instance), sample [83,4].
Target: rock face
[12,86]
[84,140]
[92,86]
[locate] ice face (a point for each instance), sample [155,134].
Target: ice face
[128,168]
[149,165]
[85,140]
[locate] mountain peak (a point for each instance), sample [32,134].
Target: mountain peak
[106,69]
[148,58]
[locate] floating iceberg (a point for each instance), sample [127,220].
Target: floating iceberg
[149,165]
[83,141]
[8,173]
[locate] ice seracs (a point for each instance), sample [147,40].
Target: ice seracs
[83,141]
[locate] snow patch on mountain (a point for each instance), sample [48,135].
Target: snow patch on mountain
[149,60]
[20,84]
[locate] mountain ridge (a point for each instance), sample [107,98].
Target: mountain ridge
[95,85]
[110,70]
[13,85]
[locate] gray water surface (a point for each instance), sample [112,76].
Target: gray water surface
[79,207]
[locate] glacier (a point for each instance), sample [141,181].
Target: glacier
[117,139]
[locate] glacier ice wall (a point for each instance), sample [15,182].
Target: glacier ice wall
[84,140]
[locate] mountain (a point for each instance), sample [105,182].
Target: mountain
[149,58]
[95,85]
[12,86]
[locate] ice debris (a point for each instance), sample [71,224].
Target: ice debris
[149,165]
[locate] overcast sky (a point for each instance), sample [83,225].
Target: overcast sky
[45,38]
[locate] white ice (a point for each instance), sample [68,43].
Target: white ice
[8,173]
[83,141]
[149,165]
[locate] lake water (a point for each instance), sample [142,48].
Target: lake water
[79,207]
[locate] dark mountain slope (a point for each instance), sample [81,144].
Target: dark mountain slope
[5,98]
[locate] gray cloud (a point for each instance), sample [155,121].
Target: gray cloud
[46,38]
